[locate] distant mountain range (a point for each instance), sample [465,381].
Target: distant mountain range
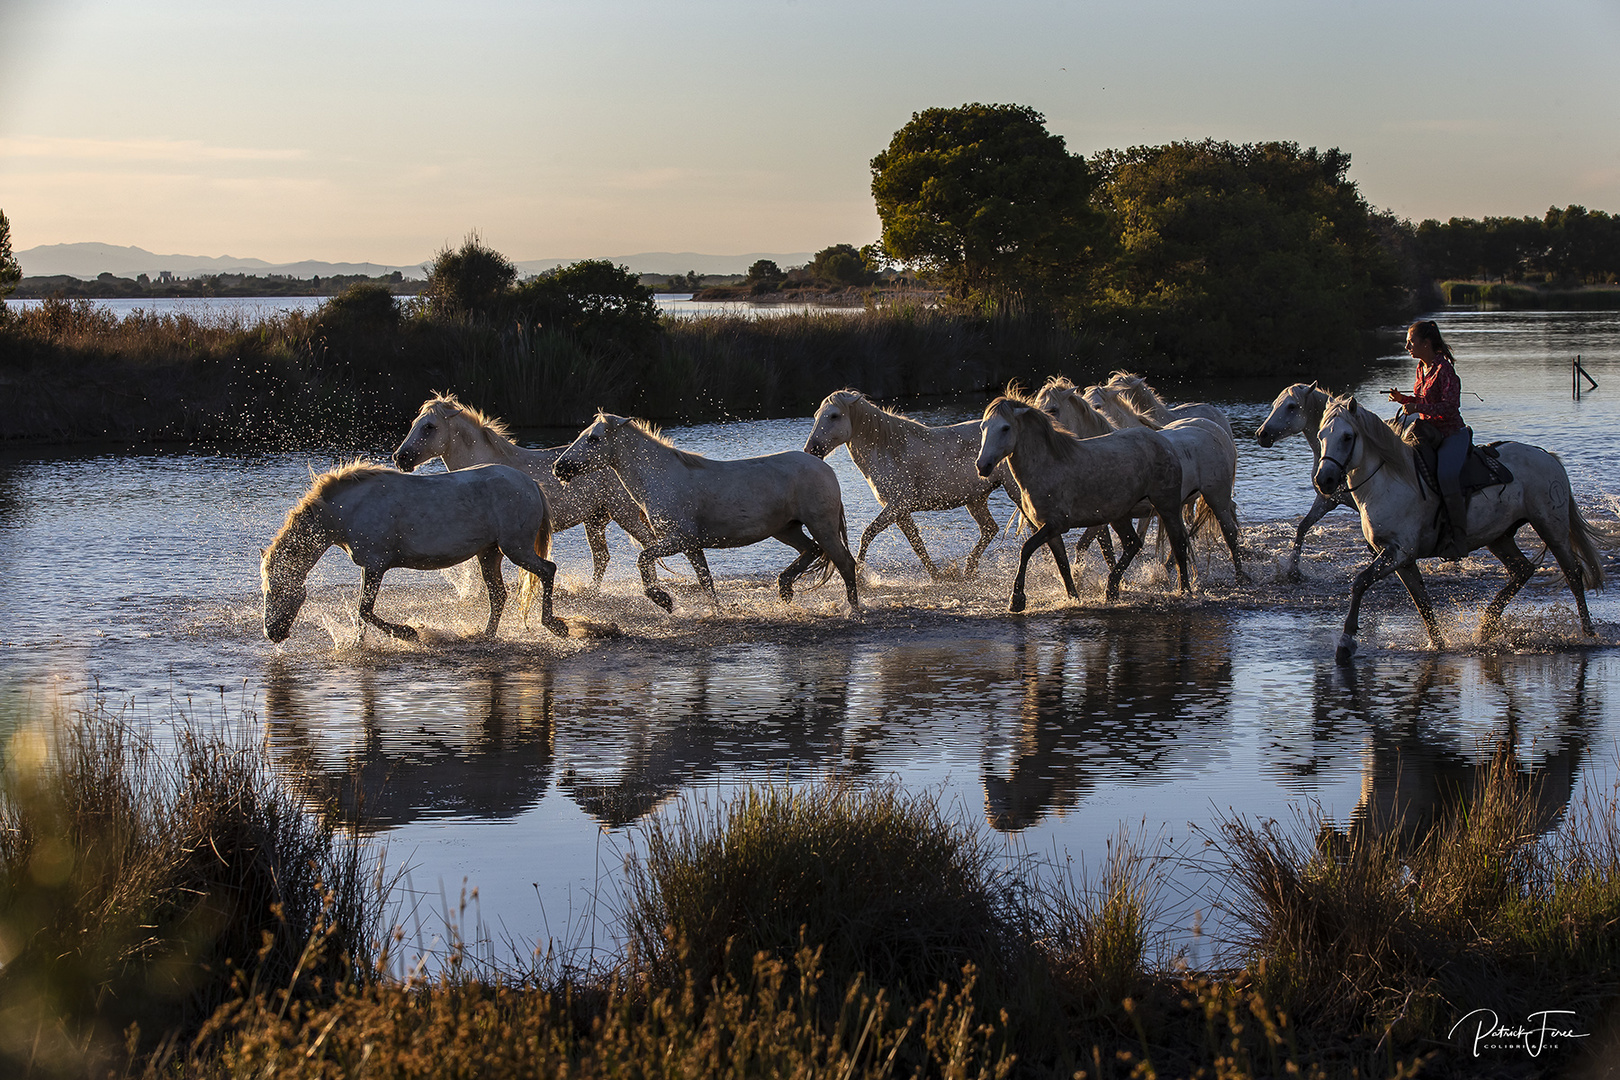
[88,260]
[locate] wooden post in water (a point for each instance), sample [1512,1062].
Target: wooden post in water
[1576,374]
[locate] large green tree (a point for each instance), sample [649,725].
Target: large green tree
[469,281]
[1237,258]
[987,200]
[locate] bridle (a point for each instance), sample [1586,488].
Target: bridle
[1344,467]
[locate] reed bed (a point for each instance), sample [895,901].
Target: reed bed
[186,914]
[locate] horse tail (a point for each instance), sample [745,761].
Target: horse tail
[542,548]
[1206,513]
[1581,538]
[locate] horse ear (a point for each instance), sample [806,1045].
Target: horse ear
[1353,406]
[1314,386]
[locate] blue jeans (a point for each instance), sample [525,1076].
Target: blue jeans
[1448,472]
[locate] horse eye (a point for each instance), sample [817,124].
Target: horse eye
[592,438]
[427,428]
[1292,406]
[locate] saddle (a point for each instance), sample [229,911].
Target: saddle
[1482,468]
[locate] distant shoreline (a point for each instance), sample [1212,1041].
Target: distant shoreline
[239,286]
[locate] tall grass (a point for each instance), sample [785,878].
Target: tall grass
[141,888]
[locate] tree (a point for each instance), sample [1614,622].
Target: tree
[10,269]
[841,264]
[765,270]
[469,282]
[986,199]
[1241,258]
[594,298]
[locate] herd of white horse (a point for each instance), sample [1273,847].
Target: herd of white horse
[1104,457]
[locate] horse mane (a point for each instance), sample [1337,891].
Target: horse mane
[1059,384]
[321,485]
[1058,441]
[447,403]
[1142,398]
[1397,454]
[888,429]
[656,434]
[1120,409]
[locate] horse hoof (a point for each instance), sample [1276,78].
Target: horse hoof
[1243,578]
[1016,604]
[556,626]
[1346,649]
[407,633]
[1294,577]
[662,599]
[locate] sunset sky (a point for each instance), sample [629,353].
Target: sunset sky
[381,131]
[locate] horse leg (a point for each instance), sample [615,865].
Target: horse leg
[793,536]
[1098,533]
[489,561]
[1318,510]
[649,581]
[1412,578]
[980,509]
[1574,576]
[829,537]
[596,536]
[700,565]
[1016,602]
[1520,570]
[1226,517]
[1376,570]
[884,519]
[1061,557]
[1170,521]
[543,569]
[370,582]
[909,528]
[1130,545]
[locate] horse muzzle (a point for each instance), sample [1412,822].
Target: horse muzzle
[1264,438]
[406,460]
[817,449]
[565,470]
[1327,479]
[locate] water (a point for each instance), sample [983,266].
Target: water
[525,766]
[251,309]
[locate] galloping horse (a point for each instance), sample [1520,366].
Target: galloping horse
[1400,517]
[1208,458]
[384,519]
[1298,411]
[909,467]
[1067,482]
[694,502]
[464,436]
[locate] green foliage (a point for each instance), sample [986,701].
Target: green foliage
[987,200]
[469,282]
[365,308]
[10,269]
[1242,258]
[765,270]
[841,264]
[1571,244]
[593,298]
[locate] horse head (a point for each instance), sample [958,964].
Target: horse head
[284,596]
[592,450]
[998,433]
[833,427]
[430,436]
[1342,445]
[1288,415]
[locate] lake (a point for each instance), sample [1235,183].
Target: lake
[525,767]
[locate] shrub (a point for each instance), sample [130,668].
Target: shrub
[469,282]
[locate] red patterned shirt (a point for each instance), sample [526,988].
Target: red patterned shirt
[1437,395]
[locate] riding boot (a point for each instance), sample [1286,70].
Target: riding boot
[1456,540]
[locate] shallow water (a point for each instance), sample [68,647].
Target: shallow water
[524,765]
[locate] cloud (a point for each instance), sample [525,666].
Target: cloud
[158,150]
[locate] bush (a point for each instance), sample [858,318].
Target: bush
[594,299]
[469,282]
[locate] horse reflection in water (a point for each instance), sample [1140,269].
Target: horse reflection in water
[493,764]
[1416,775]
[648,730]
[1122,700]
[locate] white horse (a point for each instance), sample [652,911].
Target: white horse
[1208,458]
[463,436]
[694,502]
[1400,517]
[1067,482]
[1298,411]
[1142,398]
[384,519]
[909,467]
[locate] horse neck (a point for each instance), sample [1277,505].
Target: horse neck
[1315,405]
[641,460]
[480,447]
[1148,404]
[302,543]
[871,427]
[1088,422]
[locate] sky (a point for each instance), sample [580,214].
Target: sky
[358,130]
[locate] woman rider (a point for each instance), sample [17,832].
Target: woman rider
[1435,397]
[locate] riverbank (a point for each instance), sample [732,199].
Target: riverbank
[349,371]
[1499,296]
[818,928]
